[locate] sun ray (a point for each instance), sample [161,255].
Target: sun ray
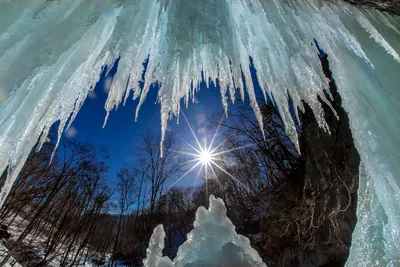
[186,173]
[233,149]
[230,175]
[216,132]
[197,176]
[220,144]
[206,180]
[206,156]
[191,129]
[185,153]
[186,143]
[190,161]
[215,174]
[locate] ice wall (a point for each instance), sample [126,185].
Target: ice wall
[212,242]
[51,52]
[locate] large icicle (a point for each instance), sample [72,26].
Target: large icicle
[46,70]
[212,242]
[51,52]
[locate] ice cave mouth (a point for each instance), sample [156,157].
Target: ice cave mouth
[53,50]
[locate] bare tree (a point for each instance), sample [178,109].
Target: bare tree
[158,170]
[126,198]
[62,198]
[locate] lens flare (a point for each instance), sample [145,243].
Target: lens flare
[207,157]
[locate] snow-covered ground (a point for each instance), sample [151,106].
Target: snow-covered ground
[3,252]
[32,249]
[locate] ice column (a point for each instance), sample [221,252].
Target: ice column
[212,242]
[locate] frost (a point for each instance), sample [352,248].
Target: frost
[51,52]
[212,242]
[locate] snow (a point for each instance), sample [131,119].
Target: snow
[31,252]
[3,252]
[212,242]
[30,255]
[52,52]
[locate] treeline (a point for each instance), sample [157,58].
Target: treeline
[296,209]
[71,212]
[70,202]
[286,203]
[249,164]
[61,203]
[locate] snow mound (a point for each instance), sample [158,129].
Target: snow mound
[212,242]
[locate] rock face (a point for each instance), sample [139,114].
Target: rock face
[315,211]
[329,166]
[392,6]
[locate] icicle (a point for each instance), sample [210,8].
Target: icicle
[52,52]
[377,36]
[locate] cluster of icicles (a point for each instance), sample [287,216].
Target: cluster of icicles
[52,53]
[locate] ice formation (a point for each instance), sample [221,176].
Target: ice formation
[212,242]
[51,52]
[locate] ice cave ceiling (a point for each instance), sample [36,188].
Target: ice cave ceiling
[52,52]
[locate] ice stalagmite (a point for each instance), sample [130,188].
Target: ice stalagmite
[154,251]
[52,52]
[212,242]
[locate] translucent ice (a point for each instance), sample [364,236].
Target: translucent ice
[52,52]
[212,242]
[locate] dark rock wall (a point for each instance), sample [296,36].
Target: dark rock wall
[314,214]
[391,6]
[330,164]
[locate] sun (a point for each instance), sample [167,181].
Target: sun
[205,157]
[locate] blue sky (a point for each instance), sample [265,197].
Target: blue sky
[123,136]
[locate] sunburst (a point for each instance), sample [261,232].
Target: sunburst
[206,157]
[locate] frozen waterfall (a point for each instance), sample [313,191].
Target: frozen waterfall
[212,242]
[52,52]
